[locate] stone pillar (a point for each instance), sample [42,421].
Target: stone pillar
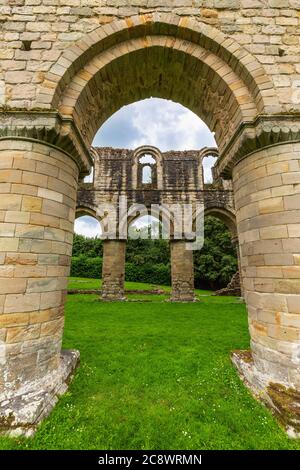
[38,186]
[182,268]
[267,197]
[113,270]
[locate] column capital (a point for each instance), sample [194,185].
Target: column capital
[261,133]
[47,127]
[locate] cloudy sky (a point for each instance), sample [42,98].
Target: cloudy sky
[157,122]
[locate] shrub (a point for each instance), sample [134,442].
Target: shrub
[149,273]
[82,266]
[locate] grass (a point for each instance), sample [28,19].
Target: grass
[156,376]
[95,284]
[89,284]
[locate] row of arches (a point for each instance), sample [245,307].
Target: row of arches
[226,216]
[181,259]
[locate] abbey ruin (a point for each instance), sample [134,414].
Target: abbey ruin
[175,178]
[66,67]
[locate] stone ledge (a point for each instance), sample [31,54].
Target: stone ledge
[22,412]
[47,127]
[280,398]
[263,132]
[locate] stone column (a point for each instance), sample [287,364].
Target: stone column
[182,268]
[113,270]
[267,196]
[38,185]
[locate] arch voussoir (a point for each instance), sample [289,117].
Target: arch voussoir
[122,30]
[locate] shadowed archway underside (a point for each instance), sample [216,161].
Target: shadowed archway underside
[157,56]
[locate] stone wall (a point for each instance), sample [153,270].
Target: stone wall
[180,179]
[267,29]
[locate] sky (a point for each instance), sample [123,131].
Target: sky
[157,122]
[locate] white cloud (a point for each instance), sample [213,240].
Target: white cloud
[161,123]
[208,163]
[87,226]
[168,126]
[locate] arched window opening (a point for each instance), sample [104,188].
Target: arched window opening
[147,170]
[207,164]
[89,178]
[145,227]
[147,175]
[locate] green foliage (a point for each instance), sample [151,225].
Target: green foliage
[85,266]
[149,260]
[141,252]
[216,263]
[154,274]
[89,247]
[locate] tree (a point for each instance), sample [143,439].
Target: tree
[148,260]
[216,263]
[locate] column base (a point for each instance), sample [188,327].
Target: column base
[21,412]
[280,398]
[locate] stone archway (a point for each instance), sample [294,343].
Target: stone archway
[193,64]
[44,148]
[228,217]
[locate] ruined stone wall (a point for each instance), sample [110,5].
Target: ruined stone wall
[267,29]
[116,173]
[114,169]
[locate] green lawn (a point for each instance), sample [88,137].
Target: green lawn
[156,376]
[88,284]
[93,284]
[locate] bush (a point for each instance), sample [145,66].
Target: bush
[149,260]
[149,273]
[83,266]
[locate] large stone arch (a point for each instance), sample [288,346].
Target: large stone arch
[118,31]
[226,215]
[184,61]
[82,211]
[44,148]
